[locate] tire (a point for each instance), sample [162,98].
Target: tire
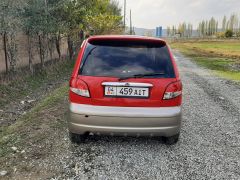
[172,139]
[77,138]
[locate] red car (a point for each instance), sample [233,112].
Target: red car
[125,85]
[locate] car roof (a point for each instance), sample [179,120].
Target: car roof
[126,38]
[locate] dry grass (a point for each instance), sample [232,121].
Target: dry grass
[223,57]
[228,49]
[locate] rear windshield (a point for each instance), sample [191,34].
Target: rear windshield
[123,59]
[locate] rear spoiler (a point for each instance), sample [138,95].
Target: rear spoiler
[127,42]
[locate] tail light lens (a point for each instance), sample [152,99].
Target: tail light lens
[173,90]
[79,87]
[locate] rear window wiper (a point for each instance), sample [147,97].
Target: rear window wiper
[141,75]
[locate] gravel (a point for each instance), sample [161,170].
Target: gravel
[3,173]
[209,146]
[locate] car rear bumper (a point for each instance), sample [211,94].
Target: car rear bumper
[134,121]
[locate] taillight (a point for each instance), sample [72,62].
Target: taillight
[173,90]
[79,87]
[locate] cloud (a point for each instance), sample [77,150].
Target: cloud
[152,13]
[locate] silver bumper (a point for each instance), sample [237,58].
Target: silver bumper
[151,121]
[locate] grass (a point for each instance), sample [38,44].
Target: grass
[222,57]
[15,133]
[235,76]
[214,63]
[221,48]
[27,84]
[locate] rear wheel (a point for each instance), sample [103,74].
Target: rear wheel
[77,138]
[172,139]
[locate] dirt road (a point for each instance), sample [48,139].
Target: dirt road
[209,146]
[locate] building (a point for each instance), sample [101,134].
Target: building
[159,31]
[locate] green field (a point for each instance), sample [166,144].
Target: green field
[223,57]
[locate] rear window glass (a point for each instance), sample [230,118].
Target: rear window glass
[123,59]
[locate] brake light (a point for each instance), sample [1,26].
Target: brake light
[173,90]
[79,87]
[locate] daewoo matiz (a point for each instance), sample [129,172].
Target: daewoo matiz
[125,85]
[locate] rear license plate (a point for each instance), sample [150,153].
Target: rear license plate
[117,91]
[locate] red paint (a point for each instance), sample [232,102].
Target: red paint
[94,84]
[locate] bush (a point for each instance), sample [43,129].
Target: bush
[220,35]
[238,34]
[228,33]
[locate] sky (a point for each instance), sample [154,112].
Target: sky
[152,13]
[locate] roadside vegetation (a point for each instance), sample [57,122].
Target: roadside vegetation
[214,45]
[25,85]
[12,132]
[207,28]
[27,127]
[31,139]
[33,99]
[32,114]
[49,23]
[223,57]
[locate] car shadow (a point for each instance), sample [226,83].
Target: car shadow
[122,139]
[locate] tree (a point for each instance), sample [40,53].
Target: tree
[220,34]
[224,23]
[238,34]
[228,33]
[189,30]
[47,21]
[38,24]
[104,23]
[73,15]
[216,27]
[173,31]
[60,22]
[212,27]
[57,26]
[104,18]
[168,31]
[201,28]
[227,25]
[181,30]
[10,24]
[233,23]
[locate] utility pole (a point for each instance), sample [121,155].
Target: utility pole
[130,22]
[124,21]
[46,5]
